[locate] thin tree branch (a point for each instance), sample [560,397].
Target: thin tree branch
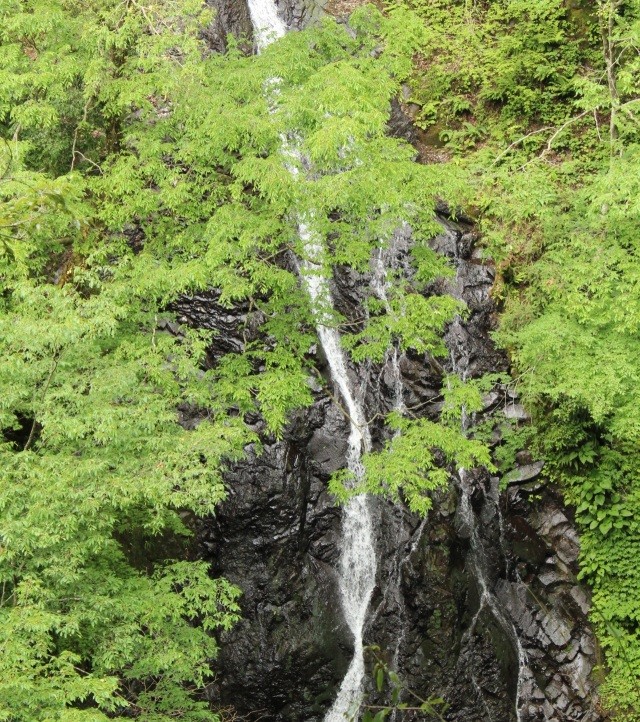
[75,134]
[32,433]
[517,142]
[84,157]
[561,129]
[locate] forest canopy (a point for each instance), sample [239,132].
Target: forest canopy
[137,168]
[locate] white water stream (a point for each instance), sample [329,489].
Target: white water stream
[487,599]
[267,24]
[477,558]
[380,284]
[357,554]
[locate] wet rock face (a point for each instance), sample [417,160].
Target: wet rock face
[424,614]
[231,17]
[277,536]
[534,623]
[549,607]
[297,14]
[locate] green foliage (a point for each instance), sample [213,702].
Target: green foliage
[413,463]
[489,69]
[462,398]
[93,451]
[65,645]
[71,73]
[566,235]
[514,439]
[412,320]
[38,217]
[136,169]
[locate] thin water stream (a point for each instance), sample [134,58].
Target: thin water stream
[487,600]
[478,561]
[357,553]
[357,571]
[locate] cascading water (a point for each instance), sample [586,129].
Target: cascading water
[380,285]
[357,556]
[487,600]
[477,556]
[267,24]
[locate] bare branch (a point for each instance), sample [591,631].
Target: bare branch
[561,129]
[517,142]
[32,433]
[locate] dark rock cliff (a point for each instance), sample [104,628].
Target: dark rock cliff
[277,536]
[477,603]
[298,14]
[230,18]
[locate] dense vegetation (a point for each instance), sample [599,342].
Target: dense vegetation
[137,168]
[538,102]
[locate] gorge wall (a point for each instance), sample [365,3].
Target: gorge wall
[477,603]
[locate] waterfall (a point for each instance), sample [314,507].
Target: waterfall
[267,24]
[357,555]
